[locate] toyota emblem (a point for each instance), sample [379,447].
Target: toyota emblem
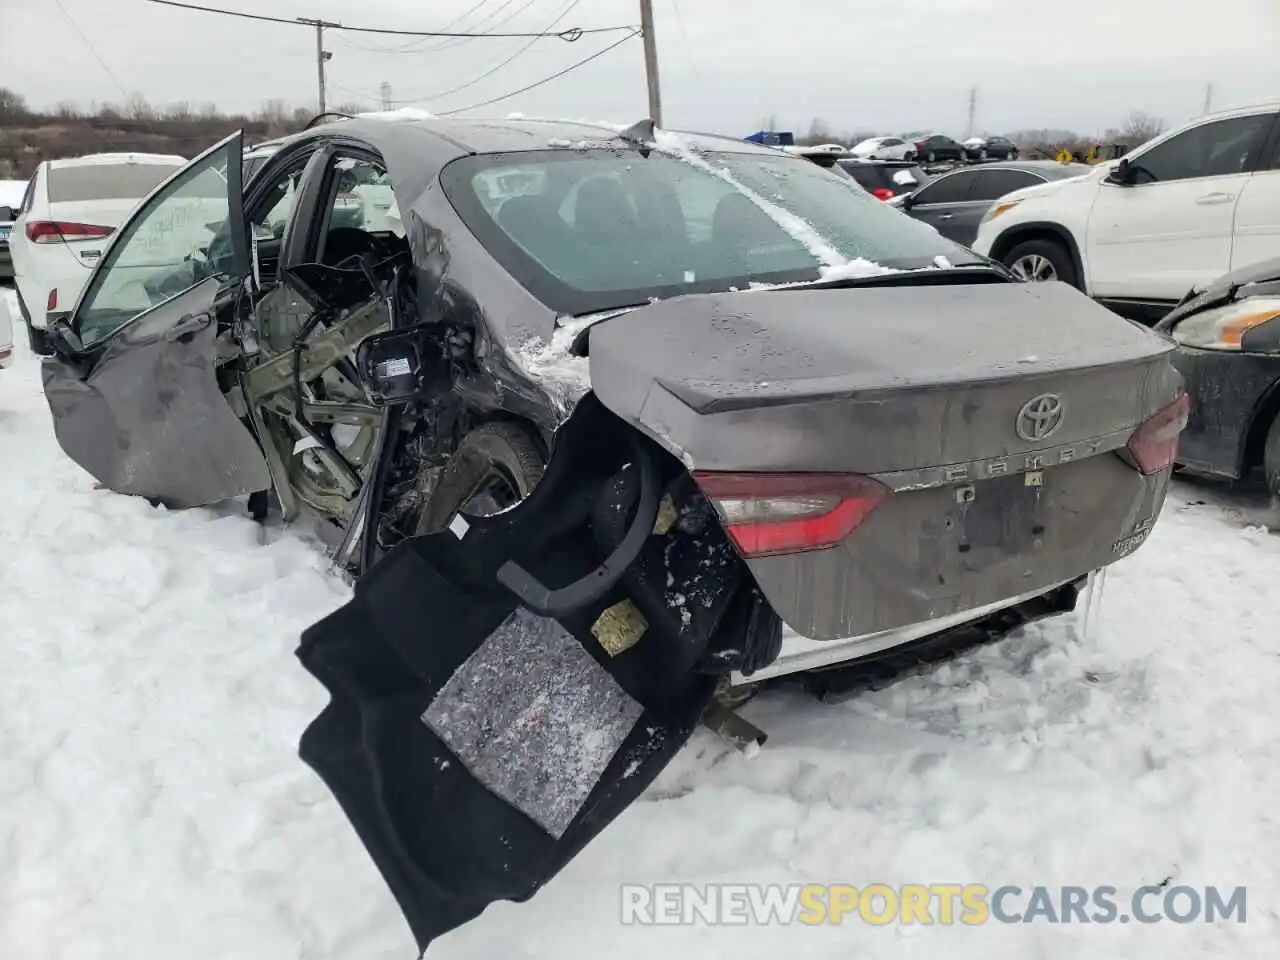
[1040,417]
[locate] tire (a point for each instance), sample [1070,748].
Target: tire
[1013,154]
[1271,458]
[909,156]
[982,154]
[1033,253]
[499,451]
[930,157]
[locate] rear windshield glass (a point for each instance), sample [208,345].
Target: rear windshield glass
[106,181]
[595,229]
[874,176]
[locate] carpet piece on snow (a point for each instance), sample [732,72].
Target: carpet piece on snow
[477,747]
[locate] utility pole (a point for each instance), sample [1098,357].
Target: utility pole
[1208,96]
[973,111]
[323,56]
[386,95]
[651,61]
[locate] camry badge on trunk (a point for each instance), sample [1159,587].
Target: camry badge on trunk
[1040,417]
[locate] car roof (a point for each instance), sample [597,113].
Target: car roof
[107,159]
[514,134]
[417,148]
[1048,168]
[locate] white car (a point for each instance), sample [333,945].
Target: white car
[884,148]
[1138,233]
[6,331]
[69,213]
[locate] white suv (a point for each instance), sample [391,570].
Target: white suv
[1138,233]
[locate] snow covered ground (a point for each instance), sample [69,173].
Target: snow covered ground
[152,806]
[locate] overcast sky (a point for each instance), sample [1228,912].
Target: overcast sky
[887,65]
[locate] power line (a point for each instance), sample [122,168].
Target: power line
[545,80]
[570,35]
[102,63]
[410,46]
[564,12]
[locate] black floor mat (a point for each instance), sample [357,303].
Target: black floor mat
[477,747]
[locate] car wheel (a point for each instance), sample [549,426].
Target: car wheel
[982,154]
[930,156]
[494,467]
[1038,261]
[1013,154]
[1271,458]
[909,156]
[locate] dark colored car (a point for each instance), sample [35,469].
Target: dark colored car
[885,179]
[956,202]
[938,146]
[990,148]
[585,476]
[1228,337]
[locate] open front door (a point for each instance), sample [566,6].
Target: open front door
[133,389]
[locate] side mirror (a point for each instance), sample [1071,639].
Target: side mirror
[1121,174]
[64,341]
[908,201]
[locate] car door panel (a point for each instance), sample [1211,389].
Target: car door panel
[1156,238]
[135,396]
[944,204]
[1257,223]
[148,417]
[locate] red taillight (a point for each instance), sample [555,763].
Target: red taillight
[883,193]
[920,146]
[52,303]
[60,231]
[1154,445]
[771,513]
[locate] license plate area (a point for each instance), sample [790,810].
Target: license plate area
[1000,516]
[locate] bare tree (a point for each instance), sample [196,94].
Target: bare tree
[818,133]
[180,111]
[137,108]
[13,105]
[1139,127]
[66,110]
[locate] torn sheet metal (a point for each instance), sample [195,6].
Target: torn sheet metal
[149,418]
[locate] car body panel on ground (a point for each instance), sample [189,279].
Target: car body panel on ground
[1228,336]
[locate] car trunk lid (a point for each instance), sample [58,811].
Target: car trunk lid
[968,433]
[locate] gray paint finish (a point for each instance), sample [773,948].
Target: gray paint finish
[926,379]
[150,420]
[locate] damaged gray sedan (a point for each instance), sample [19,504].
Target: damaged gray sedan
[607,424]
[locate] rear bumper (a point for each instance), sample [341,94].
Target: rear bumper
[800,654]
[1228,390]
